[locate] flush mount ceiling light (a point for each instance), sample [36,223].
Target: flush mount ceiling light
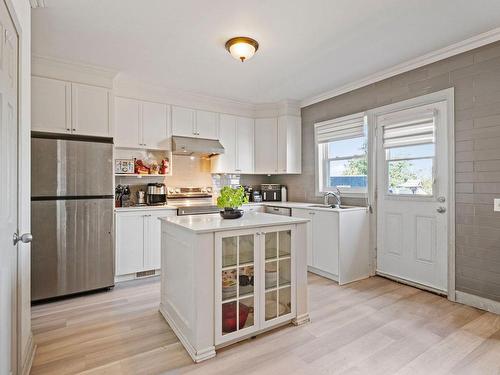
[242,48]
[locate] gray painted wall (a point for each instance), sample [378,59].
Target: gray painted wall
[476,78]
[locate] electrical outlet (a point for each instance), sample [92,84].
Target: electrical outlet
[496,204]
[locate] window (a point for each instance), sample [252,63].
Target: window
[410,154]
[342,155]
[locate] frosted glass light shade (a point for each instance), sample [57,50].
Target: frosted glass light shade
[242,48]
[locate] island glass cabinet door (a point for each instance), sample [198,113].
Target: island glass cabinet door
[278,275]
[236,284]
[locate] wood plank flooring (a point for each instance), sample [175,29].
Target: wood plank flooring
[374,326]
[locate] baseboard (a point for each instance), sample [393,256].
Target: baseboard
[30,356]
[133,276]
[197,356]
[479,302]
[319,272]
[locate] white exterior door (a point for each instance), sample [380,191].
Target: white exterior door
[8,191]
[412,193]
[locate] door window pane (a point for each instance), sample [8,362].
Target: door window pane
[271,310]
[271,244]
[285,239]
[246,249]
[246,313]
[410,177]
[229,317]
[285,299]
[271,275]
[246,280]
[229,251]
[229,284]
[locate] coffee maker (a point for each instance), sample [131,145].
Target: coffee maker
[156,194]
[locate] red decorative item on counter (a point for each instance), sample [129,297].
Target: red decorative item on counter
[164,167]
[140,168]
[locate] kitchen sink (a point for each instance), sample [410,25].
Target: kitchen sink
[342,207]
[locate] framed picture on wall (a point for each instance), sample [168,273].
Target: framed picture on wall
[124,166]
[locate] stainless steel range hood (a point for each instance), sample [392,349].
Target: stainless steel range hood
[196,146]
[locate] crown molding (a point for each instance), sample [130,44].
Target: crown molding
[156,93]
[50,67]
[37,4]
[429,58]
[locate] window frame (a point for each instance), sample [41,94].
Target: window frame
[322,162]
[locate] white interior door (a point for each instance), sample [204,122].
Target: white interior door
[412,201]
[8,191]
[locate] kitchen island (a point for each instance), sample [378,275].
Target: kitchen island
[223,281]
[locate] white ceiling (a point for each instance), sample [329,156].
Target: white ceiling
[306,46]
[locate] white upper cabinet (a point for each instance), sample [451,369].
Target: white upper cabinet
[155,134]
[127,123]
[140,124]
[50,105]
[226,162]
[188,122]
[278,148]
[207,125]
[72,108]
[183,122]
[289,144]
[266,142]
[236,134]
[90,110]
[245,128]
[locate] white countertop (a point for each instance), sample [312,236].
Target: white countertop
[215,223]
[305,205]
[144,208]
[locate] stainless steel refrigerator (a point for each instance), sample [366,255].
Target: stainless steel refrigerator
[72,203]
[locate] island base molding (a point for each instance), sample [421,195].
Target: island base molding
[197,355]
[301,319]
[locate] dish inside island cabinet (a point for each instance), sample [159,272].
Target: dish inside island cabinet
[227,280]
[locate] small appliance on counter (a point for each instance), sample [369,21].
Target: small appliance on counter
[141,198]
[156,194]
[256,196]
[271,192]
[284,193]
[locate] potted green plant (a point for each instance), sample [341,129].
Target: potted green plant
[229,201]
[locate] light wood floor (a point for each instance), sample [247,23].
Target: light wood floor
[373,326]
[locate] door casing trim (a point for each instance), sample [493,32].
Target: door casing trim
[446,95]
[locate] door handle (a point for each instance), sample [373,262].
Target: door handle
[24,238]
[441,210]
[441,199]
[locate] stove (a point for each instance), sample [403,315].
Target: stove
[191,200]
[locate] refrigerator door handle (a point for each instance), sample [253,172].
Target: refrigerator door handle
[24,238]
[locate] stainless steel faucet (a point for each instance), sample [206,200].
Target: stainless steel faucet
[333,194]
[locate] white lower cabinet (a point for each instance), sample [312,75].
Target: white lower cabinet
[338,245]
[138,240]
[254,280]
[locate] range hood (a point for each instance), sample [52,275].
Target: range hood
[196,146]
